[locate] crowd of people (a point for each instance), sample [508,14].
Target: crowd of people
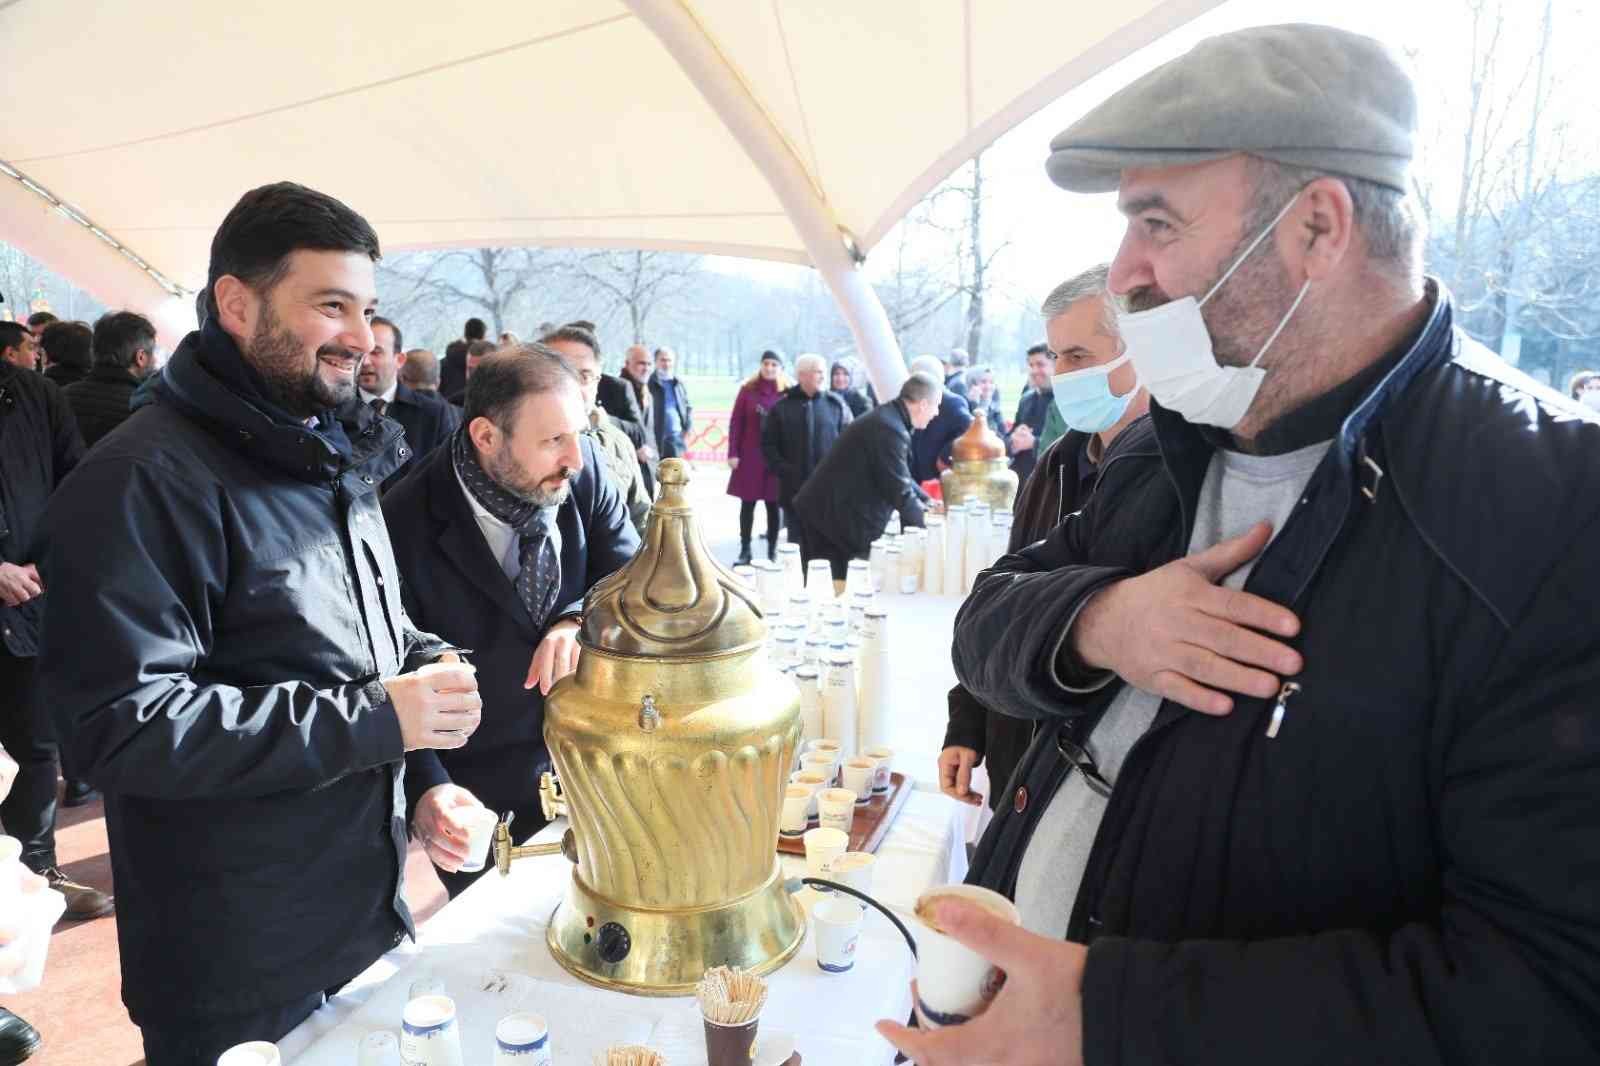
[1284,688]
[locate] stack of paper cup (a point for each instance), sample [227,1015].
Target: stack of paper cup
[933,555]
[891,570]
[789,559]
[769,578]
[955,546]
[839,701]
[808,677]
[858,578]
[877,556]
[872,708]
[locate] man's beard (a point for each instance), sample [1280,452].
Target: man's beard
[512,476]
[279,357]
[1245,311]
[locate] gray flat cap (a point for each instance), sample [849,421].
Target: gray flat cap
[1307,96]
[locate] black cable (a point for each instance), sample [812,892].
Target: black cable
[864,898]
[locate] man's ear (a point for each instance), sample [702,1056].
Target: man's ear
[484,434]
[238,306]
[1321,228]
[399,361]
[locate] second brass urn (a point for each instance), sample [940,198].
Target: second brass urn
[979,471]
[673,741]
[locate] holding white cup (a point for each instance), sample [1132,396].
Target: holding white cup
[836,809]
[954,983]
[479,823]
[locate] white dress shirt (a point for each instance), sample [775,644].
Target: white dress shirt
[387,397]
[504,544]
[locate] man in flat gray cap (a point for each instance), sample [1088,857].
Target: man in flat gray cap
[1317,774]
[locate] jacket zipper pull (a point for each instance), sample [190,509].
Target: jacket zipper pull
[1285,694]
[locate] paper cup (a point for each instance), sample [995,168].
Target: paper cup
[858,775]
[884,757]
[254,1053]
[836,809]
[837,923]
[822,847]
[522,1039]
[796,805]
[480,822]
[380,1048]
[815,782]
[729,1045]
[954,983]
[854,868]
[429,1032]
[820,762]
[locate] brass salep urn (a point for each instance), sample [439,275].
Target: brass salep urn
[979,470]
[672,742]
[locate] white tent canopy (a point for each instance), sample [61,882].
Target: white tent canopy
[780,129]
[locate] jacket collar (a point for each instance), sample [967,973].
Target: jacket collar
[461,539]
[120,375]
[1186,448]
[249,425]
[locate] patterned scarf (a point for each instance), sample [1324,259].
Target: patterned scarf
[539,580]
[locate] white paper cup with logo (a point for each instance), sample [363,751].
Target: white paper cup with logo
[858,775]
[824,845]
[836,923]
[522,1039]
[836,809]
[480,823]
[253,1053]
[884,758]
[954,983]
[795,818]
[429,1034]
[854,869]
[813,781]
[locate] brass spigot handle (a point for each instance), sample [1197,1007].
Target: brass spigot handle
[505,853]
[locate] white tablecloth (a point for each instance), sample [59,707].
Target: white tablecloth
[488,946]
[920,679]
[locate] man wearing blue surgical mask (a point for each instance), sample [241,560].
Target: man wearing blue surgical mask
[1094,390]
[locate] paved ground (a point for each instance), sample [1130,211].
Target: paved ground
[79,1009]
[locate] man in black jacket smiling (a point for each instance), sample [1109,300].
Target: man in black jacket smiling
[1318,773]
[498,536]
[237,673]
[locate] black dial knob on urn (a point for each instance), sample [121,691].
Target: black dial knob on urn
[613,943]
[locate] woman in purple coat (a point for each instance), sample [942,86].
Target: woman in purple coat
[751,481]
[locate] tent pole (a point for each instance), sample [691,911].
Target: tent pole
[675,25]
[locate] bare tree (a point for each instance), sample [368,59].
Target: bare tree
[638,282]
[495,281]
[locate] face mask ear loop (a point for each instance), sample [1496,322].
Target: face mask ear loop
[1252,247]
[1283,322]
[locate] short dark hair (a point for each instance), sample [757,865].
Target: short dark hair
[583,323]
[267,224]
[399,338]
[1039,349]
[497,387]
[480,348]
[576,334]
[68,343]
[41,318]
[421,368]
[474,330]
[455,348]
[920,386]
[11,334]
[118,335]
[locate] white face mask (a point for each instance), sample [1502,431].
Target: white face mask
[1171,351]
[1590,399]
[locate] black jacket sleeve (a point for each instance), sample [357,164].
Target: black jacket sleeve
[891,469]
[1504,972]
[66,442]
[1024,604]
[965,727]
[772,445]
[145,718]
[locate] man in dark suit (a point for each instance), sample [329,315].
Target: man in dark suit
[498,536]
[453,369]
[847,500]
[931,444]
[427,420]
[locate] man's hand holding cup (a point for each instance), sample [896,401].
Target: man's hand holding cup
[438,706]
